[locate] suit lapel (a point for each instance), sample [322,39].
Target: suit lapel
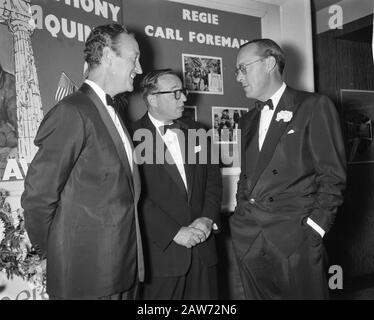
[189,168]
[137,188]
[248,132]
[113,132]
[276,130]
[161,157]
[135,170]
[251,128]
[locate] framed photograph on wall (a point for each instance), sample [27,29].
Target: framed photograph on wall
[225,134]
[358,120]
[225,124]
[190,112]
[202,74]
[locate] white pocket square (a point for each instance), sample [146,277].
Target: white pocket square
[197,149]
[291,131]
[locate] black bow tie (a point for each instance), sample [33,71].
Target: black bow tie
[171,126]
[260,104]
[109,100]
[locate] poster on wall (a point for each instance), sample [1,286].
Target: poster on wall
[20,116]
[202,74]
[61,28]
[41,61]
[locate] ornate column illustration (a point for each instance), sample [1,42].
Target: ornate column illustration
[17,13]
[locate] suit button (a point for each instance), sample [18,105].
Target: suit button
[245,176]
[271,199]
[252,201]
[275,171]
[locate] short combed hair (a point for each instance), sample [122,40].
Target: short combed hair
[99,38]
[149,83]
[267,48]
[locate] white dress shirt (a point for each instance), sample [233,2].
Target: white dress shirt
[267,115]
[170,139]
[113,115]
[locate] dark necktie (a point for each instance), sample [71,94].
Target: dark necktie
[109,100]
[171,126]
[260,104]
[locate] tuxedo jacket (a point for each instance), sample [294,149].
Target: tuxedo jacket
[80,201]
[300,172]
[166,206]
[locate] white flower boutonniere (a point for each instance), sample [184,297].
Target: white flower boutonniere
[284,115]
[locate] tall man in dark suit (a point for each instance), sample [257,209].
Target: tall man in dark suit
[181,199]
[82,187]
[293,171]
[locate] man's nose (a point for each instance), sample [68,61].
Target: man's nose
[239,76]
[138,68]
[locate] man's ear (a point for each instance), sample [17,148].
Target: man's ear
[152,100]
[107,56]
[271,63]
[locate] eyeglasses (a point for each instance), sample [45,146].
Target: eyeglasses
[177,93]
[243,67]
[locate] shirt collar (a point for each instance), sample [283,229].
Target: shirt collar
[156,123]
[277,95]
[100,92]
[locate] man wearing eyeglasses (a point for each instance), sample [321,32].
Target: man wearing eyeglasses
[181,199]
[293,172]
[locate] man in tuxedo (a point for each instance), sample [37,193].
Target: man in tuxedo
[82,187]
[293,172]
[181,199]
